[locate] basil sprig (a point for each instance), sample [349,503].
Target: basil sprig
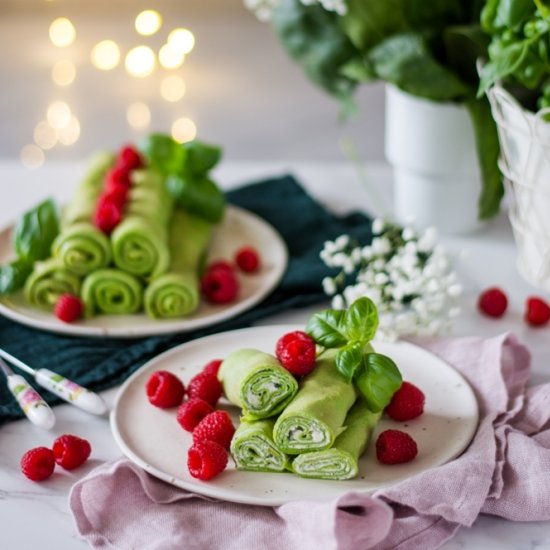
[32,239]
[375,375]
[186,167]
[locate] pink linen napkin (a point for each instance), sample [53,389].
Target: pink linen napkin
[504,472]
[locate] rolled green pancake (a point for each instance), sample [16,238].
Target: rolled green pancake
[252,448]
[177,293]
[111,291]
[140,241]
[341,460]
[256,382]
[47,282]
[316,416]
[80,246]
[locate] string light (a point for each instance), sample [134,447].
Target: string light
[45,136]
[138,115]
[184,129]
[58,115]
[105,55]
[172,88]
[62,32]
[140,61]
[181,40]
[63,73]
[170,58]
[148,22]
[32,156]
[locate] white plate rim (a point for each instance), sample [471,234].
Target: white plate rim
[93,327]
[209,490]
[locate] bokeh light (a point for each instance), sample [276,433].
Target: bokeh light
[140,61]
[32,156]
[59,115]
[105,55]
[170,58]
[69,134]
[181,40]
[45,136]
[138,115]
[148,22]
[172,88]
[63,72]
[184,129]
[62,32]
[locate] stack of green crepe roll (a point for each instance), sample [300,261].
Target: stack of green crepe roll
[318,428]
[150,262]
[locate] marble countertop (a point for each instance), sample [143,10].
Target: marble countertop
[33,513]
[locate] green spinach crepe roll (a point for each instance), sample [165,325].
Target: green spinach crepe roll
[177,292]
[316,416]
[140,240]
[48,281]
[80,246]
[252,448]
[256,382]
[341,460]
[111,291]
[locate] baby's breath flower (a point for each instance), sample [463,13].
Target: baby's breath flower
[406,274]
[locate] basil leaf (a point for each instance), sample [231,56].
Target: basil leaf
[14,275]
[327,328]
[35,231]
[377,380]
[361,320]
[348,360]
[201,197]
[200,157]
[163,153]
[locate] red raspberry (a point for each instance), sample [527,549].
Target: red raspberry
[164,389]
[191,412]
[395,447]
[296,352]
[221,264]
[493,302]
[68,308]
[213,367]
[205,386]
[107,216]
[407,403]
[129,158]
[206,459]
[71,451]
[115,195]
[117,177]
[248,259]
[38,463]
[537,311]
[217,426]
[219,286]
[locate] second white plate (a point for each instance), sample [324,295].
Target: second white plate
[158,444]
[239,228]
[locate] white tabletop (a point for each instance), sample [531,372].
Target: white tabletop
[32,513]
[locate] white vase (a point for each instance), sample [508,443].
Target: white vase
[525,162]
[431,147]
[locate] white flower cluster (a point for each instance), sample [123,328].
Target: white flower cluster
[407,275]
[263,8]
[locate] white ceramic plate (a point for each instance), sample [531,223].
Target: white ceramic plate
[239,227]
[153,439]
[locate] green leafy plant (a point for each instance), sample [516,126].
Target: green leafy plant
[32,238]
[427,49]
[350,331]
[519,52]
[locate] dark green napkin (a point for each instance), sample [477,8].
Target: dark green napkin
[99,363]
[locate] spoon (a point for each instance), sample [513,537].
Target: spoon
[34,407]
